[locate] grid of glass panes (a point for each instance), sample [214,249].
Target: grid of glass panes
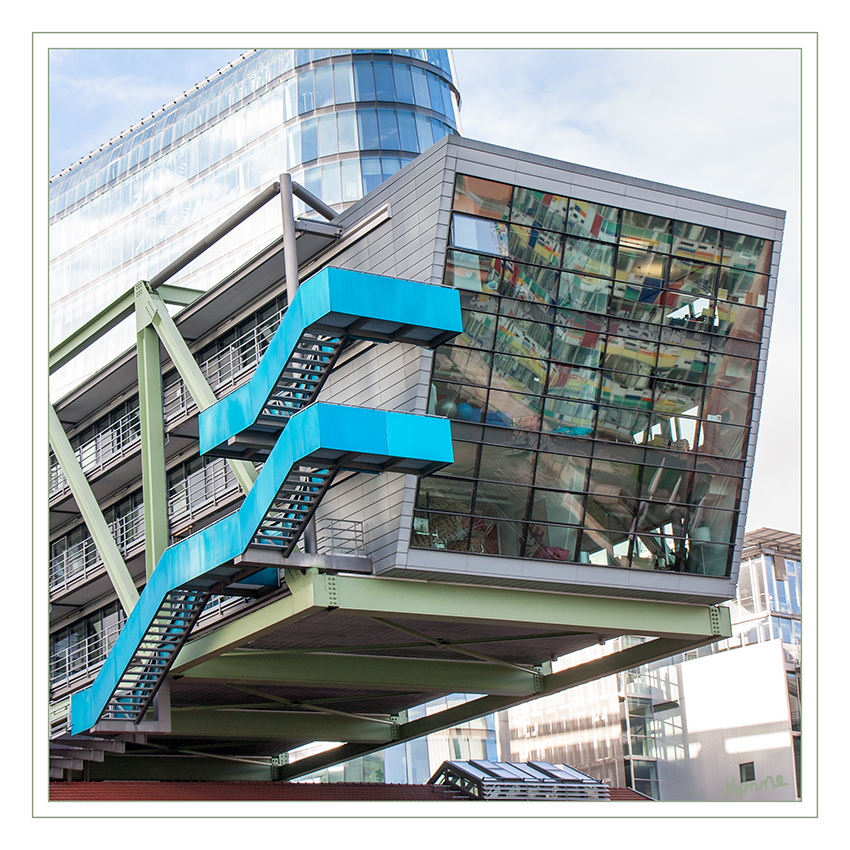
[602,389]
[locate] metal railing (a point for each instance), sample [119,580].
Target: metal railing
[340,537]
[81,661]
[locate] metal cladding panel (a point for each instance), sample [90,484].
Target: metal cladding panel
[333,299]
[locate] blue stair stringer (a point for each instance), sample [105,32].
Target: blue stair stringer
[313,441]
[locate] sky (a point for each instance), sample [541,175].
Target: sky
[696,113]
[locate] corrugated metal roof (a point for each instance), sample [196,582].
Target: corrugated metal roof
[769,541]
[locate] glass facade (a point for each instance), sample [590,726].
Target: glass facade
[602,389]
[340,121]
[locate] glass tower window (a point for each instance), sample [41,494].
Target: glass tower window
[605,362]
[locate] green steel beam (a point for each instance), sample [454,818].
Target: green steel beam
[150,308]
[304,726]
[151,418]
[251,626]
[107,548]
[100,324]
[626,659]
[373,596]
[108,318]
[377,596]
[355,671]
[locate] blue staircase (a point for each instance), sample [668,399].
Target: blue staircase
[312,442]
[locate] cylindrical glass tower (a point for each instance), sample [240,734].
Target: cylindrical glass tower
[340,121]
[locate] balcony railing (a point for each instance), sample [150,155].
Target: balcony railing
[229,368]
[80,661]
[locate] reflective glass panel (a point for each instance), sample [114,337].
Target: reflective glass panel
[561,508]
[501,501]
[696,278]
[561,472]
[633,301]
[715,491]
[464,403]
[681,364]
[584,293]
[462,365]
[528,339]
[690,312]
[561,416]
[733,373]
[551,542]
[573,382]
[696,242]
[672,431]
[577,339]
[623,390]
[364,81]
[621,425]
[482,197]
[636,356]
[479,329]
[440,531]
[664,483]
[708,559]
[473,271]
[529,245]
[445,494]
[645,231]
[603,548]
[671,397]
[514,410]
[539,209]
[530,283]
[743,287]
[580,255]
[724,406]
[506,463]
[592,221]
[613,479]
[475,234]
[496,537]
[719,438]
[518,374]
[739,321]
[747,252]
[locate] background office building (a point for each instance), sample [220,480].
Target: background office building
[704,725]
[603,394]
[339,121]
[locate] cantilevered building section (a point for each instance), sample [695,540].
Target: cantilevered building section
[600,395]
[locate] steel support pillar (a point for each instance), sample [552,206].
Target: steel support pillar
[154,489]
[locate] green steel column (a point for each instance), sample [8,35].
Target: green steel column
[154,490]
[151,307]
[108,550]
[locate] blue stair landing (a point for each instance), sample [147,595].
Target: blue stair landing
[328,310]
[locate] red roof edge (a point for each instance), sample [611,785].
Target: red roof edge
[130,791]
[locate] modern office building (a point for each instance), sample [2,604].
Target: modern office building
[720,723]
[514,407]
[339,121]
